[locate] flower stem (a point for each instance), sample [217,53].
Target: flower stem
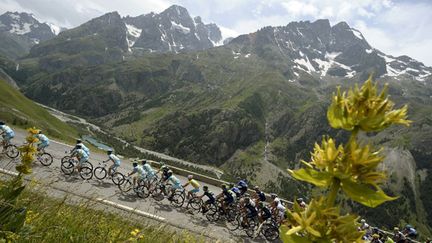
[334,189]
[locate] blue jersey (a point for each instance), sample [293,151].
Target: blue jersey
[242,184]
[148,169]
[7,130]
[83,147]
[42,138]
[235,190]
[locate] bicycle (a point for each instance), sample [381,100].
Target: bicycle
[68,168]
[100,172]
[211,213]
[269,229]
[161,190]
[44,158]
[9,149]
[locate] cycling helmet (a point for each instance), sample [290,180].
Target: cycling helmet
[2,123]
[40,132]
[190,177]
[109,152]
[78,141]
[135,164]
[79,146]
[300,199]
[396,229]
[375,236]
[144,162]
[273,195]
[277,200]
[231,185]
[362,221]
[169,173]
[205,188]
[256,188]
[223,186]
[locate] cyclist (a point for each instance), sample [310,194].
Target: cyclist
[150,173]
[6,132]
[194,184]
[228,197]
[264,212]
[164,170]
[139,171]
[235,189]
[301,203]
[410,231]
[398,236]
[43,141]
[176,184]
[211,199]
[259,195]
[242,185]
[278,210]
[87,150]
[274,197]
[116,162]
[81,155]
[251,210]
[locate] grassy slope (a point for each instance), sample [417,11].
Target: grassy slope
[57,221]
[18,110]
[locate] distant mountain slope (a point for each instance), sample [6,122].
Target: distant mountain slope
[111,38]
[20,31]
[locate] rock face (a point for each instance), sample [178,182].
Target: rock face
[20,31]
[320,49]
[173,30]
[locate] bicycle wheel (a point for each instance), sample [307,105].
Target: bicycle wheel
[11,151]
[100,173]
[142,191]
[126,185]
[45,159]
[251,226]
[233,224]
[271,232]
[86,172]
[212,213]
[67,167]
[117,178]
[196,204]
[158,193]
[66,158]
[177,199]
[87,164]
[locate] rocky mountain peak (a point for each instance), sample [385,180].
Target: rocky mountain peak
[25,24]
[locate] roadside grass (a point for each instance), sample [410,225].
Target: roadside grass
[18,110]
[54,220]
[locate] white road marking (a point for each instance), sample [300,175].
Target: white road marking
[120,206]
[8,172]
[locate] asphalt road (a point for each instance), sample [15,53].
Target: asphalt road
[111,194]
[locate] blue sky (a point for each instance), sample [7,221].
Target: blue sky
[394,27]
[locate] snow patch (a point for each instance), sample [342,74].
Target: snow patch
[323,66]
[369,51]
[133,31]
[20,30]
[180,27]
[54,28]
[357,34]
[248,55]
[305,63]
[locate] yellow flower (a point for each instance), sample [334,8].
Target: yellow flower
[363,108]
[135,232]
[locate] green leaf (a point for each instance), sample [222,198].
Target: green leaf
[291,238]
[318,178]
[365,194]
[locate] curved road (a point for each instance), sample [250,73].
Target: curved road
[53,177]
